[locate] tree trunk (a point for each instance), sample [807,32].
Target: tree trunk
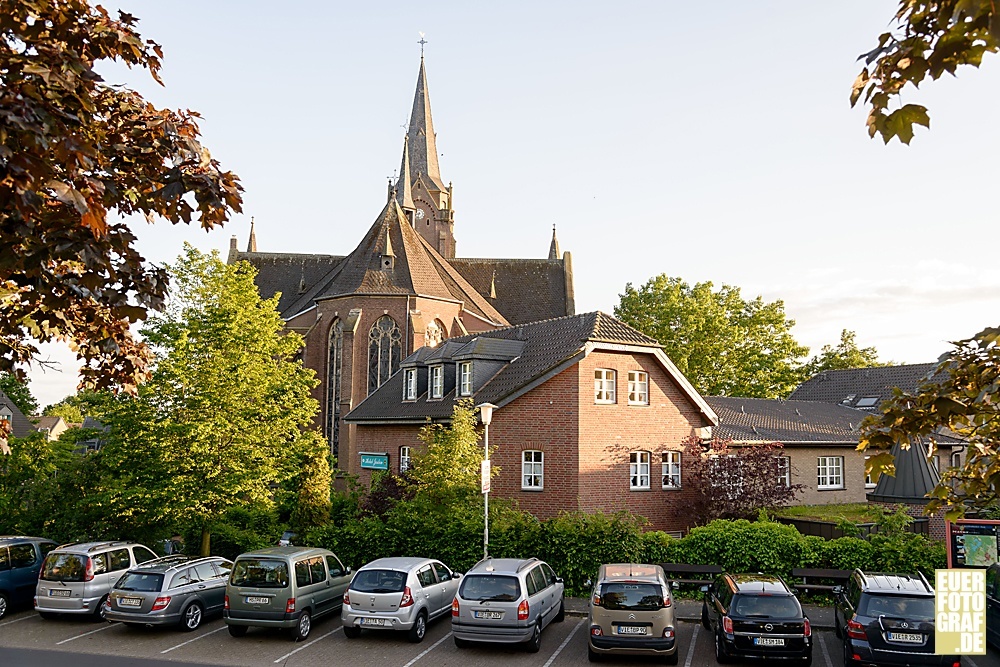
[206,542]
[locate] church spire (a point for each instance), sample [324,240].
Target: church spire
[422,141]
[252,245]
[554,246]
[404,192]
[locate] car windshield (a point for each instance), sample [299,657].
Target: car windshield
[897,606]
[495,588]
[260,572]
[632,597]
[64,567]
[767,606]
[148,582]
[379,581]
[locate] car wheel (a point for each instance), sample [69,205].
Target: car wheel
[48,615]
[352,632]
[3,604]
[534,644]
[704,617]
[561,614]
[720,650]
[302,628]
[192,617]
[101,613]
[671,659]
[593,657]
[461,643]
[419,629]
[238,630]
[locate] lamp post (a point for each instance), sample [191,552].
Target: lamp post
[486,415]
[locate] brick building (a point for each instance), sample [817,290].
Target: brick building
[591,414]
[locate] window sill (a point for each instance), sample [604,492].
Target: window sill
[639,488]
[830,488]
[638,405]
[532,489]
[605,402]
[671,488]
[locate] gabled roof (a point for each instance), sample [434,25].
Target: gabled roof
[19,424]
[527,290]
[850,387]
[915,478]
[753,420]
[549,347]
[294,275]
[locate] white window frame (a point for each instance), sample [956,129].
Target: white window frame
[437,381]
[785,471]
[956,459]
[936,463]
[404,459]
[670,470]
[638,470]
[829,473]
[410,385]
[604,386]
[869,482]
[464,379]
[532,470]
[638,386]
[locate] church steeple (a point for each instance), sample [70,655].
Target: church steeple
[404,191]
[252,244]
[422,140]
[554,246]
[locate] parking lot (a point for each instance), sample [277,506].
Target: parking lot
[562,644]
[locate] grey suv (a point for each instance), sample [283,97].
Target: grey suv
[76,578]
[507,600]
[20,561]
[174,590]
[398,594]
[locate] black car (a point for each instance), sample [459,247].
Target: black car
[993,605]
[20,560]
[887,619]
[756,616]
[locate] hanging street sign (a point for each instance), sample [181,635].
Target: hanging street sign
[372,461]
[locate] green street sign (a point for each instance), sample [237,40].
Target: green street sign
[374,461]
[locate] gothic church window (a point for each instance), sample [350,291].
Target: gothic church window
[384,351]
[333,368]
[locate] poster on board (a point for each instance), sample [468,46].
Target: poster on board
[972,543]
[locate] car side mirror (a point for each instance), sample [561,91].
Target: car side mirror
[348,570]
[456,575]
[703,589]
[675,585]
[838,590]
[559,580]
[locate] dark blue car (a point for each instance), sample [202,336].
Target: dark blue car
[20,560]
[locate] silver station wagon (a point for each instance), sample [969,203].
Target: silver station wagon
[398,594]
[174,590]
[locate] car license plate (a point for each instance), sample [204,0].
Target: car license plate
[253,600]
[631,630]
[907,637]
[130,602]
[372,621]
[768,641]
[59,592]
[488,614]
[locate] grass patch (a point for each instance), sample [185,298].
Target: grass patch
[853,512]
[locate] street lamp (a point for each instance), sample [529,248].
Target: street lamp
[486,415]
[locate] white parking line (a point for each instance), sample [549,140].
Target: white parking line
[195,639]
[428,650]
[92,632]
[305,646]
[970,661]
[826,654]
[563,645]
[23,618]
[690,655]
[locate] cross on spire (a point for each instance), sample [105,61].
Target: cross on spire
[421,43]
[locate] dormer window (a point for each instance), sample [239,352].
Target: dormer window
[410,385]
[867,402]
[437,381]
[465,378]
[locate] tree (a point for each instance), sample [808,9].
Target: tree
[734,482]
[963,396]
[448,468]
[18,391]
[76,407]
[847,354]
[312,508]
[73,150]
[724,344]
[225,417]
[928,38]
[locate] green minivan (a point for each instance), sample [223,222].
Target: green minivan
[284,587]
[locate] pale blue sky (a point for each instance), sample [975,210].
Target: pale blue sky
[712,142]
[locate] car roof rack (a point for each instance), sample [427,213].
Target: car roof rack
[527,563]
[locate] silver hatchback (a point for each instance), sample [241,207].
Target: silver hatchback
[507,600]
[174,590]
[398,594]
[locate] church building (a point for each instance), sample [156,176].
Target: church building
[402,287]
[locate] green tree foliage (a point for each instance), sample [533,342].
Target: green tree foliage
[29,483]
[313,506]
[927,38]
[963,396]
[76,407]
[73,149]
[18,391]
[846,354]
[724,344]
[447,470]
[224,418]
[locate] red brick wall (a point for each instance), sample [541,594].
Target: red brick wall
[936,525]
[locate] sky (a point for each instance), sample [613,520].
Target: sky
[659,137]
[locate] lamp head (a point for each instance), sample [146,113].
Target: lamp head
[486,412]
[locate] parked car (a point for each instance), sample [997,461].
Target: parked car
[507,600]
[887,619]
[76,578]
[632,613]
[20,560]
[174,590]
[756,616]
[284,587]
[398,594]
[993,605]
